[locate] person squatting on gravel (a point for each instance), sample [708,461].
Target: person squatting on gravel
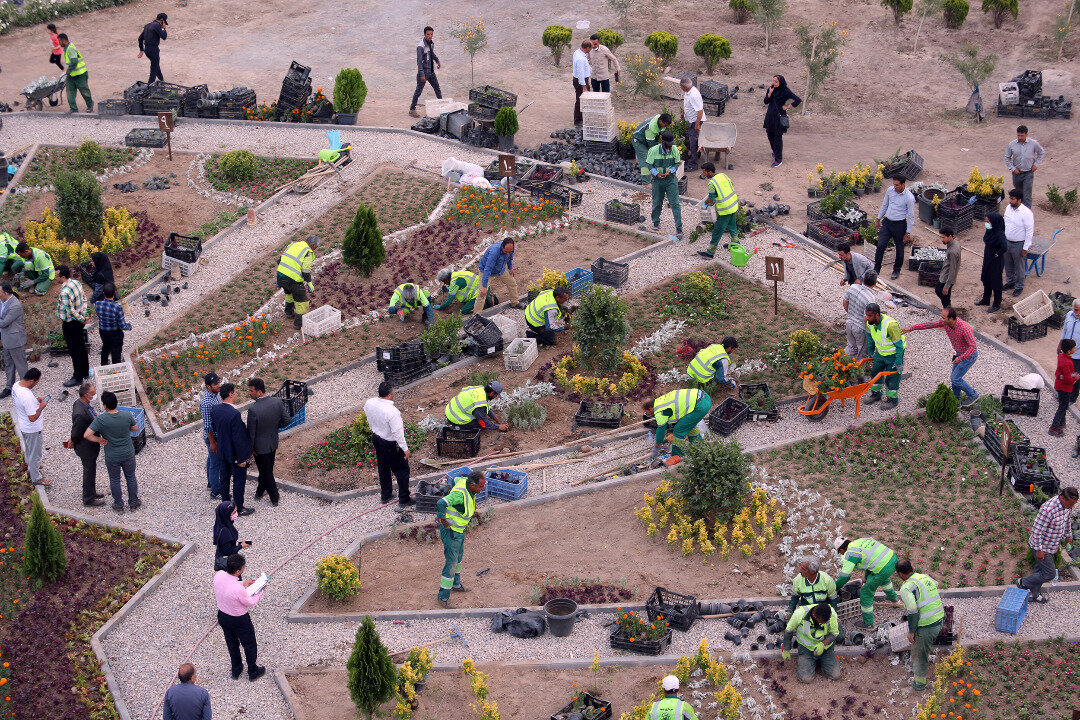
[426,62]
[1052,530]
[233,603]
[454,512]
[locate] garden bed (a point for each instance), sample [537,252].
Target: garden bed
[1032,679]
[268,174]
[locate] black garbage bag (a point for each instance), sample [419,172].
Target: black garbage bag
[520,623]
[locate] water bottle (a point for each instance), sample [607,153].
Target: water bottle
[1057,574]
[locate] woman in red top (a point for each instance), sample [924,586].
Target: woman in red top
[1064,378]
[57,52]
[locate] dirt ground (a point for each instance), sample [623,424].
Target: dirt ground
[524,548]
[523,693]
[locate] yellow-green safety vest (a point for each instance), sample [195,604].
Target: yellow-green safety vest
[460,410]
[295,262]
[727,201]
[672,708]
[867,554]
[7,244]
[398,298]
[810,634]
[459,522]
[469,293]
[539,307]
[925,591]
[675,405]
[701,367]
[823,590]
[879,333]
[78,67]
[648,131]
[41,261]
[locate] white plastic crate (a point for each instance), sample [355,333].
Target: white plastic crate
[1033,309]
[708,213]
[186,269]
[1008,93]
[598,119]
[321,321]
[680,171]
[898,640]
[508,326]
[435,107]
[595,102]
[601,134]
[118,379]
[520,354]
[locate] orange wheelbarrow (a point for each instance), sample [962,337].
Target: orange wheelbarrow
[817,405]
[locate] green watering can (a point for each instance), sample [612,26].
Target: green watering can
[739,255]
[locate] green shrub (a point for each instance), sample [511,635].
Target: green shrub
[337,577]
[362,247]
[527,415]
[663,45]
[712,49]
[712,480]
[350,91]
[44,557]
[360,432]
[1063,203]
[601,328]
[1000,9]
[90,156]
[239,166]
[942,405]
[506,122]
[78,204]
[956,12]
[556,38]
[372,676]
[899,8]
[610,38]
[442,337]
[804,346]
[481,377]
[743,9]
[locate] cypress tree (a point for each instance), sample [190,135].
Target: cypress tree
[362,247]
[45,556]
[372,675]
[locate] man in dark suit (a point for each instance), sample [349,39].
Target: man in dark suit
[12,336]
[82,414]
[234,447]
[265,417]
[186,700]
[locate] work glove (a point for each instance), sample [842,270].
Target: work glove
[818,649]
[785,654]
[310,286]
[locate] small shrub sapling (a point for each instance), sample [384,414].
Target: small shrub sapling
[1001,9]
[942,405]
[663,45]
[362,247]
[372,676]
[556,38]
[712,49]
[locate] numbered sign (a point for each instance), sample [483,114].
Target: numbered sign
[165,121]
[774,268]
[507,166]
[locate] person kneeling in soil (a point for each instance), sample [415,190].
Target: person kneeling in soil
[542,311]
[885,342]
[454,512]
[816,628]
[36,267]
[877,561]
[676,415]
[462,286]
[406,298]
[925,614]
[711,362]
[812,587]
[470,409]
[671,707]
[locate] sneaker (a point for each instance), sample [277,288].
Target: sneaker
[777,163]
[413,113]
[982,302]
[5,393]
[890,403]
[445,603]
[895,274]
[1020,583]
[256,673]
[1018,292]
[259,495]
[656,228]
[970,403]
[215,495]
[1056,431]
[1008,286]
[94,502]
[918,687]
[1042,598]
[677,237]
[135,505]
[459,588]
[383,501]
[993,309]
[71,382]
[72,112]
[705,254]
[518,306]
[246,511]
[118,508]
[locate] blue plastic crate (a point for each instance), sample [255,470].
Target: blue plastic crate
[140,418]
[580,280]
[1011,610]
[297,419]
[507,489]
[464,472]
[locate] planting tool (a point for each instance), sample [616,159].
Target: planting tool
[785,244]
[402,654]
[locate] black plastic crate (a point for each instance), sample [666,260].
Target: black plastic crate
[713,90]
[1041,475]
[598,414]
[588,700]
[610,273]
[58,345]
[678,611]
[712,107]
[813,212]
[160,90]
[684,184]
[185,248]
[749,390]
[139,441]
[295,395]
[298,72]
[410,374]
[736,412]
[1011,111]
[956,218]
[427,495]
[139,89]
[493,97]
[641,647]
[478,349]
[484,331]
[1019,401]
[152,106]
[1022,333]
[928,274]
[829,233]
[1029,83]
[908,165]
[113,106]
[452,442]
[394,359]
[146,138]
[556,193]
[600,147]
[482,112]
[622,212]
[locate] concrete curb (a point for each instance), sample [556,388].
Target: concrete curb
[282,680]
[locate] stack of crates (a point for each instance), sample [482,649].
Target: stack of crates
[1011,610]
[295,88]
[118,379]
[598,118]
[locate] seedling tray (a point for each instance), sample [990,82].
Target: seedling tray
[451,442]
[477,349]
[813,212]
[506,484]
[598,414]
[620,212]
[427,495]
[482,330]
[543,173]
[185,248]
[412,374]
[520,354]
[908,165]
[482,113]
[579,279]
[295,394]
[1039,475]
[641,647]
[914,262]
[145,138]
[829,233]
[749,390]
[493,97]
[57,343]
[726,417]
[588,700]
[1022,333]
[609,272]
[403,357]
[928,275]
[678,611]
[1019,401]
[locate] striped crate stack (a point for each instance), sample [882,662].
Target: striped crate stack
[598,117]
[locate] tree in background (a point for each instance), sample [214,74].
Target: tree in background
[743,10]
[712,49]
[769,13]
[975,67]
[556,38]
[899,8]
[472,34]
[923,10]
[956,12]
[819,50]
[622,8]
[610,38]
[372,676]
[999,9]
[44,557]
[362,247]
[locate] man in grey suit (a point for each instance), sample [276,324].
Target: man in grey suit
[266,416]
[82,415]
[12,336]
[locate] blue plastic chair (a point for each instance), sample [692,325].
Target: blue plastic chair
[1036,254]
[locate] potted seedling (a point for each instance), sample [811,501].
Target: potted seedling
[350,91]
[506,126]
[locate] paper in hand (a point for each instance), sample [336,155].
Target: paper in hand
[258,585]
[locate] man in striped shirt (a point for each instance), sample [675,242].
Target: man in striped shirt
[1052,528]
[73,312]
[965,353]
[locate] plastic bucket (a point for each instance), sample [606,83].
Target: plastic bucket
[739,255]
[561,615]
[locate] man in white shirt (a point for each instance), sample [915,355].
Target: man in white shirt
[582,73]
[28,411]
[391,450]
[1019,230]
[693,113]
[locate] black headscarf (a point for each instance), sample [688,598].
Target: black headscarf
[783,82]
[103,272]
[225,532]
[995,240]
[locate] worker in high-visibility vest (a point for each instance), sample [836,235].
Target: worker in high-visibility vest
[812,586]
[671,707]
[462,286]
[925,615]
[294,277]
[877,561]
[722,193]
[77,78]
[815,628]
[8,256]
[406,298]
[454,511]
[663,162]
[470,409]
[677,414]
[886,344]
[35,267]
[542,312]
[711,362]
[645,136]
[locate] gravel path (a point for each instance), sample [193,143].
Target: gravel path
[146,648]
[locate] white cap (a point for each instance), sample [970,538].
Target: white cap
[671,683]
[839,542]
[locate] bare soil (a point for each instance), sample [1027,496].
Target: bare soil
[523,546]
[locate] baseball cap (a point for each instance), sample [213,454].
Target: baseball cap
[496,386]
[210,378]
[671,682]
[163,17]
